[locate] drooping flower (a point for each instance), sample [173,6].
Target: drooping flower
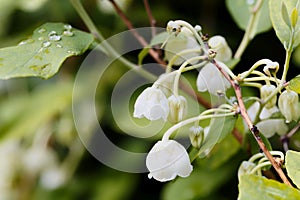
[183,41]
[288,104]
[168,159]
[211,79]
[151,104]
[271,126]
[218,44]
[265,91]
[178,108]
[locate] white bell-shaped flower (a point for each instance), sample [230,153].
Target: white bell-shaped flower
[265,91]
[151,104]
[168,159]
[218,44]
[271,126]
[288,104]
[211,79]
[185,40]
[178,108]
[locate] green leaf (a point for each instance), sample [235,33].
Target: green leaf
[279,21]
[240,11]
[219,129]
[285,15]
[292,163]
[42,54]
[201,183]
[221,153]
[294,84]
[253,187]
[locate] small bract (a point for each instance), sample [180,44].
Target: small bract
[168,159]
[151,104]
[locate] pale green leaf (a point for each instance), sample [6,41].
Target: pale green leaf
[42,54]
[240,11]
[285,15]
[219,129]
[294,84]
[282,29]
[253,187]
[292,163]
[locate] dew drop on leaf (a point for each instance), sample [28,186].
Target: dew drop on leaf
[68,33]
[67,26]
[46,44]
[28,41]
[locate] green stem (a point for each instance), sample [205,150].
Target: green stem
[109,49]
[248,32]
[202,116]
[288,55]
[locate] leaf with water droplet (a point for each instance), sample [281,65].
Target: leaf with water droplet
[43,57]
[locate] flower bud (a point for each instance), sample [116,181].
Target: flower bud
[178,108]
[218,44]
[196,136]
[265,91]
[271,67]
[288,104]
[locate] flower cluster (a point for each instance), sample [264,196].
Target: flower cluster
[186,48]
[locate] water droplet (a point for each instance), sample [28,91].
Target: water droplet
[53,36]
[42,30]
[68,33]
[46,44]
[59,45]
[41,38]
[68,26]
[28,41]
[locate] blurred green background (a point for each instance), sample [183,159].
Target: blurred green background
[41,156]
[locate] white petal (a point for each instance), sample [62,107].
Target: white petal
[267,113]
[271,126]
[211,79]
[152,104]
[167,159]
